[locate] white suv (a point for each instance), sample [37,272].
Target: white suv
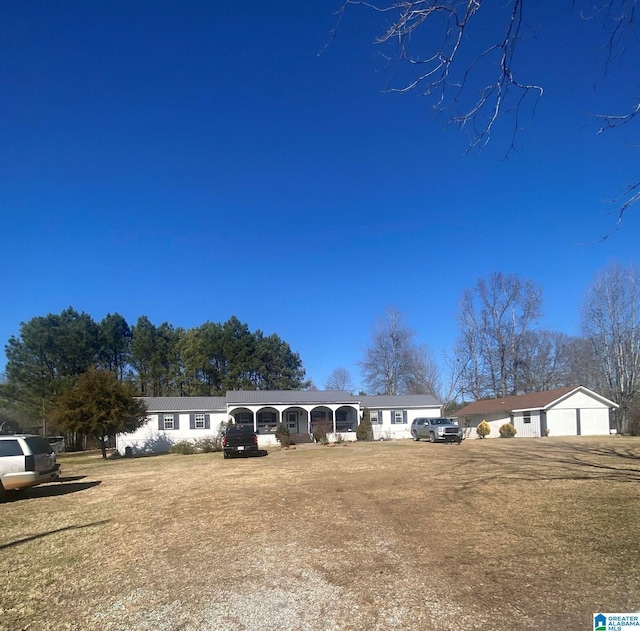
[25,461]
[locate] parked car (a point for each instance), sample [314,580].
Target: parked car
[239,439]
[436,430]
[26,460]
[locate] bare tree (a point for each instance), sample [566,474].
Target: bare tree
[495,318]
[469,68]
[424,376]
[550,359]
[339,379]
[611,321]
[393,363]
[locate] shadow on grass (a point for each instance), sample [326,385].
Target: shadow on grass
[41,535]
[251,454]
[549,460]
[53,489]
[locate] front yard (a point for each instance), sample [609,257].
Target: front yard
[494,534]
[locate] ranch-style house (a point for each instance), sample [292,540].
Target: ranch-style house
[173,419]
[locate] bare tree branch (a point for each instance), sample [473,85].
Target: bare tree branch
[469,72]
[428,36]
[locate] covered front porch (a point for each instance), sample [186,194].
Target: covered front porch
[300,420]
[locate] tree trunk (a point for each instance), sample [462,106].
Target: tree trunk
[103,447]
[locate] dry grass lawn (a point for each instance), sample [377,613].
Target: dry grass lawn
[493,535]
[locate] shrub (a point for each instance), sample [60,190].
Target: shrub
[364,430]
[184,447]
[208,445]
[283,436]
[339,439]
[484,429]
[507,431]
[320,434]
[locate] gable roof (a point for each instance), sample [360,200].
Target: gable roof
[532,401]
[285,397]
[288,396]
[185,404]
[399,401]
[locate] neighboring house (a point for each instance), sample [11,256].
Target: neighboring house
[569,411]
[172,419]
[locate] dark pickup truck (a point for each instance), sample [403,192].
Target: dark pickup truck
[239,439]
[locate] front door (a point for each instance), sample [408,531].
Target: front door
[292,422]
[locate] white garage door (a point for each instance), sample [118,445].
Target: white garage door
[594,422]
[562,422]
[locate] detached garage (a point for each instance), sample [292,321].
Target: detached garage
[569,411]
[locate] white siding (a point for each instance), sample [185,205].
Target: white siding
[527,430]
[388,430]
[495,422]
[149,438]
[578,399]
[393,431]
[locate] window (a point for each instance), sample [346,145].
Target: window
[38,445]
[398,416]
[344,423]
[526,417]
[10,448]
[169,421]
[267,421]
[244,418]
[199,420]
[373,417]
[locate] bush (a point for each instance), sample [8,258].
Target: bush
[184,447]
[484,429]
[364,430]
[208,445]
[339,439]
[283,435]
[320,434]
[507,431]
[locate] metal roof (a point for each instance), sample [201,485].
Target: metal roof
[273,397]
[284,397]
[399,401]
[185,404]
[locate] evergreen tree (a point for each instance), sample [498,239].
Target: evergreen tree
[100,406]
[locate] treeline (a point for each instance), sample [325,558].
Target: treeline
[502,350]
[52,351]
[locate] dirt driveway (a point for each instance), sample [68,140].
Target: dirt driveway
[492,535]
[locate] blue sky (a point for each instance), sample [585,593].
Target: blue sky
[192,161]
